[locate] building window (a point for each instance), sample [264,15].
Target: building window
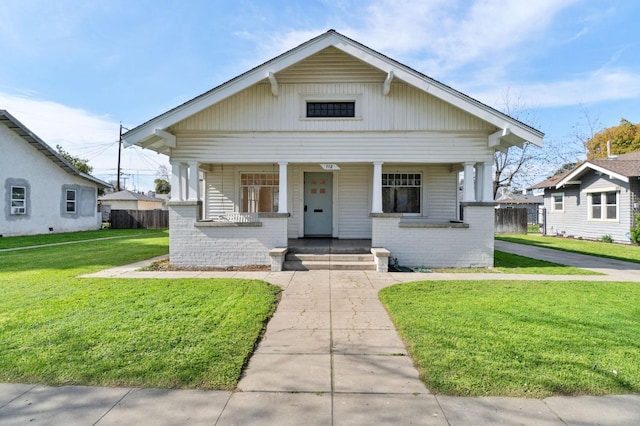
[557,202]
[331,109]
[71,201]
[18,200]
[604,205]
[401,192]
[260,192]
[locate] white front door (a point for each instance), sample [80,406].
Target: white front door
[318,204]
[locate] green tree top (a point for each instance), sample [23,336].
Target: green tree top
[624,138]
[77,162]
[162,186]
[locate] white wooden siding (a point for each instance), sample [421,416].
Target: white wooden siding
[404,109]
[352,194]
[321,147]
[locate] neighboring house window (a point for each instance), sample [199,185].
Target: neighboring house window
[18,200]
[401,192]
[557,202]
[260,192]
[331,109]
[604,205]
[71,201]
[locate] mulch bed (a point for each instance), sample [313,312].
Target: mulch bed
[165,265]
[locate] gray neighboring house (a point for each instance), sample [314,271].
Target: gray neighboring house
[518,201]
[595,199]
[41,192]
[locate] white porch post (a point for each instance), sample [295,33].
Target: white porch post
[194,182]
[487,181]
[376,198]
[479,184]
[468,185]
[282,194]
[176,182]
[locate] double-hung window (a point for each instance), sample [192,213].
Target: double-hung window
[71,200]
[260,192]
[557,202]
[401,192]
[18,200]
[603,205]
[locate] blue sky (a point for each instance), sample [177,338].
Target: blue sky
[71,71]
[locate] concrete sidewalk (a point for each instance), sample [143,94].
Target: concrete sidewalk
[330,356]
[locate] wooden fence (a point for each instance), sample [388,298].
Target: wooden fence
[511,221]
[137,219]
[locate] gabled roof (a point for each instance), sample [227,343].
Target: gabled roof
[21,130]
[621,167]
[128,196]
[153,135]
[551,182]
[520,199]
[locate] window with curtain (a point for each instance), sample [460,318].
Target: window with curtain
[260,192]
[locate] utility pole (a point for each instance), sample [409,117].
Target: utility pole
[119,155]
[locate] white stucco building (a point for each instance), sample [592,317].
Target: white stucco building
[41,191]
[331,139]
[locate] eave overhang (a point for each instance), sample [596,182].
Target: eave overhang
[572,177]
[518,132]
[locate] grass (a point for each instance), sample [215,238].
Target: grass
[514,264]
[58,329]
[623,252]
[532,339]
[35,240]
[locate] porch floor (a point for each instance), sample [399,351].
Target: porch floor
[329,246]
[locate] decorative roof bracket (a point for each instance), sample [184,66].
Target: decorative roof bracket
[274,83]
[494,138]
[386,87]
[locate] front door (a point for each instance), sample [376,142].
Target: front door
[318,205]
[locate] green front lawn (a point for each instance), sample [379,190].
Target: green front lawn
[624,252]
[535,339]
[58,329]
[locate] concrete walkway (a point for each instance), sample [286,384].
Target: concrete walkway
[330,356]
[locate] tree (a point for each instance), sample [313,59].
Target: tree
[79,163]
[511,166]
[162,186]
[623,138]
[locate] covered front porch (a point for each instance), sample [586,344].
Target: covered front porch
[237,214]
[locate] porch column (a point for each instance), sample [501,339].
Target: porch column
[283,188]
[479,184]
[376,198]
[487,181]
[176,182]
[194,182]
[468,185]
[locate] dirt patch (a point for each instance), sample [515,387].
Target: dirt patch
[165,265]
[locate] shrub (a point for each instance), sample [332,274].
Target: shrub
[607,239]
[635,231]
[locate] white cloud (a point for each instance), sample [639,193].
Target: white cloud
[85,135]
[598,86]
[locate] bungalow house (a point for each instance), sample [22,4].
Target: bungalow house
[331,140]
[129,200]
[595,199]
[41,191]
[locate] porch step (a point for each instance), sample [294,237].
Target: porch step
[343,262]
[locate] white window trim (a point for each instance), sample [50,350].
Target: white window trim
[74,201]
[387,172]
[553,201]
[355,98]
[253,172]
[603,206]
[19,210]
